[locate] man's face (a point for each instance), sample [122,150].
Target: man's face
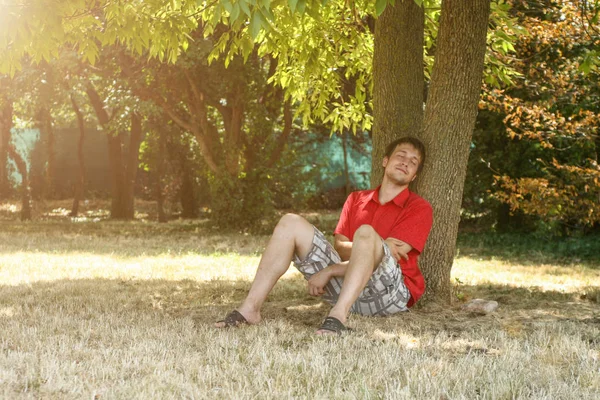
[401,167]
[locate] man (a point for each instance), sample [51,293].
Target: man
[372,267]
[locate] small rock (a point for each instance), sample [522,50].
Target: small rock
[481,306]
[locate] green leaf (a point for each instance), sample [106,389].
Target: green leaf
[267,15]
[217,15]
[586,66]
[380,6]
[227,6]
[247,46]
[301,6]
[235,12]
[245,8]
[255,25]
[293,4]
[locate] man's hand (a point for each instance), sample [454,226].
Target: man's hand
[398,248]
[317,282]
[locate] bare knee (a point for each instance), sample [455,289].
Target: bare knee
[289,219]
[299,230]
[365,232]
[367,243]
[290,223]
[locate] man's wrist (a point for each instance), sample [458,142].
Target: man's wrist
[337,270]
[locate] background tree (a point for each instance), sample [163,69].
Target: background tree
[540,151]
[8,149]
[118,114]
[239,120]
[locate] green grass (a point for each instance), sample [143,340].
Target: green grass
[125,310]
[532,248]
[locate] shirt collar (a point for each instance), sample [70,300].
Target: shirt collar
[399,200]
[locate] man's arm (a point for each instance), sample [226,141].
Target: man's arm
[317,282]
[343,246]
[398,248]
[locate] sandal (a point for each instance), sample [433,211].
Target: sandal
[233,319]
[332,324]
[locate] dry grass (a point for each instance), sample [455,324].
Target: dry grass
[125,310]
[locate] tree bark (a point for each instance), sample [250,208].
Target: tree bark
[25,190]
[187,194]
[160,162]
[346,171]
[233,130]
[282,140]
[398,77]
[6,113]
[135,139]
[118,208]
[51,167]
[80,185]
[46,128]
[449,122]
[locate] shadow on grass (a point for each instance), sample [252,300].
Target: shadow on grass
[123,239]
[521,309]
[132,239]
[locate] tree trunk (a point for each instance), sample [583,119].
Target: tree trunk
[51,168]
[80,185]
[160,163]
[346,171]
[46,128]
[118,208]
[135,139]
[280,142]
[449,122]
[6,113]
[25,190]
[398,77]
[187,195]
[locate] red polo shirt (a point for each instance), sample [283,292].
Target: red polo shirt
[408,217]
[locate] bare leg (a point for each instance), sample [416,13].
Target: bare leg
[293,234]
[367,253]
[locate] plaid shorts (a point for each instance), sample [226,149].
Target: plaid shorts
[385,293]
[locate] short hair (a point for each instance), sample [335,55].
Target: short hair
[414,142]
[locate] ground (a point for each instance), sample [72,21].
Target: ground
[125,310]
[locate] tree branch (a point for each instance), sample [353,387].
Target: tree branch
[98,105]
[285,134]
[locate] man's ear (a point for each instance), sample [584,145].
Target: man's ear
[385,161]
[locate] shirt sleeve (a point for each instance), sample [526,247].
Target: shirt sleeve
[343,226]
[413,228]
